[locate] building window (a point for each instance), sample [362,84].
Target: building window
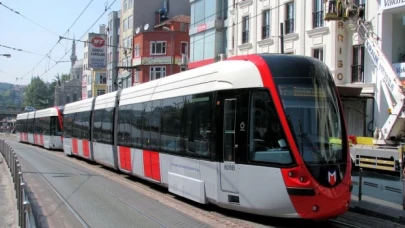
[184,48]
[157,72]
[101,78]
[317,16]
[130,42]
[67,99]
[137,50]
[109,89]
[125,24]
[74,97]
[289,21]
[158,47]
[130,22]
[183,27]
[130,4]
[318,54]
[245,29]
[100,92]
[136,78]
[358,64]
[266,24]
[125,5]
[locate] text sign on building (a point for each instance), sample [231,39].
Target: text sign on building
[157,60]
[390,4]
[97,51]
[399,68]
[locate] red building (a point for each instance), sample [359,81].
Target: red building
[159,53]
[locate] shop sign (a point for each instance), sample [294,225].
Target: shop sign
[390,4]
[156,60]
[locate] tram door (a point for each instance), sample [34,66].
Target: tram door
[234,119]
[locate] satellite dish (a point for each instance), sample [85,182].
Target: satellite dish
[145,27]
[137,30]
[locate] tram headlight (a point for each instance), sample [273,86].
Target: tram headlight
[302,179]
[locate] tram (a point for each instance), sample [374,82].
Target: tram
[41,127]
[263,134]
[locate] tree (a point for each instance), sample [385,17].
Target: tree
[38,94]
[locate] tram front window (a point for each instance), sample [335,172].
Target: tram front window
[313,114]
[268,143]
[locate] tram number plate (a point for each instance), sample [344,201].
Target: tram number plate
[229,167]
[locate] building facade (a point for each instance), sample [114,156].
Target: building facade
[160,53]
[113,37]
[208,31]
[143,15]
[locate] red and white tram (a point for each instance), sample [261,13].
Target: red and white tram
[258,133]
[41,127]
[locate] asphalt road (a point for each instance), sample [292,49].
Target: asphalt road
[70,192]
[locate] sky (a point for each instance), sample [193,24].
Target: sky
[56,16]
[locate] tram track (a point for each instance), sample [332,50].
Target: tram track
[208,214]
[89,174]
[343,223]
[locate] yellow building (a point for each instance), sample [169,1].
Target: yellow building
[98,82]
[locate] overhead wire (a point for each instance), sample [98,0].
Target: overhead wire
[22,50]
[58,42]
[16,12]
[105,10]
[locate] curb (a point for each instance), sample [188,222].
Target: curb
[375,214]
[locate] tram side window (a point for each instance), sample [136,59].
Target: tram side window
[136,124]
[147,106]
[30,126]
[155,123]
[124,130]
[98,118]
[55,126]
[86,125]
[75,126]
[267,139]
[107,126]
[68,122]
[171,130]
[47,125]
[198,124]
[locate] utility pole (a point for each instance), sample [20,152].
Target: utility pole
[282,38]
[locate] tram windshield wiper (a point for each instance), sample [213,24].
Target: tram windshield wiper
[304,139]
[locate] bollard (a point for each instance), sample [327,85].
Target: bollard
[27,211]
[360,182]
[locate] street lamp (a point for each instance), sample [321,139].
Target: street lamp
[172,47]
[6,55]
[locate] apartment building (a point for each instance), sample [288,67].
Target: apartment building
[162,50]
[144,15]
[113,37]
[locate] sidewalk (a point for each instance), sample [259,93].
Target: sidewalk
[378,208]
[8,204]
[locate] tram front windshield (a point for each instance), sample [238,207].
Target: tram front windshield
[313,114]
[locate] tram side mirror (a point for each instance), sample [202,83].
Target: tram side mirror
[282,143]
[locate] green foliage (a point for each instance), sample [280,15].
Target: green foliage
[9,97]
[38,94]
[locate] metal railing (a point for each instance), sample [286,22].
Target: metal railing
[379,186]
[25,216]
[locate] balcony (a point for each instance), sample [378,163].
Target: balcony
[317,19]
[357,74]
[289,26]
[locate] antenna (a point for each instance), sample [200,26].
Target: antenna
[145,27]
[137,30]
